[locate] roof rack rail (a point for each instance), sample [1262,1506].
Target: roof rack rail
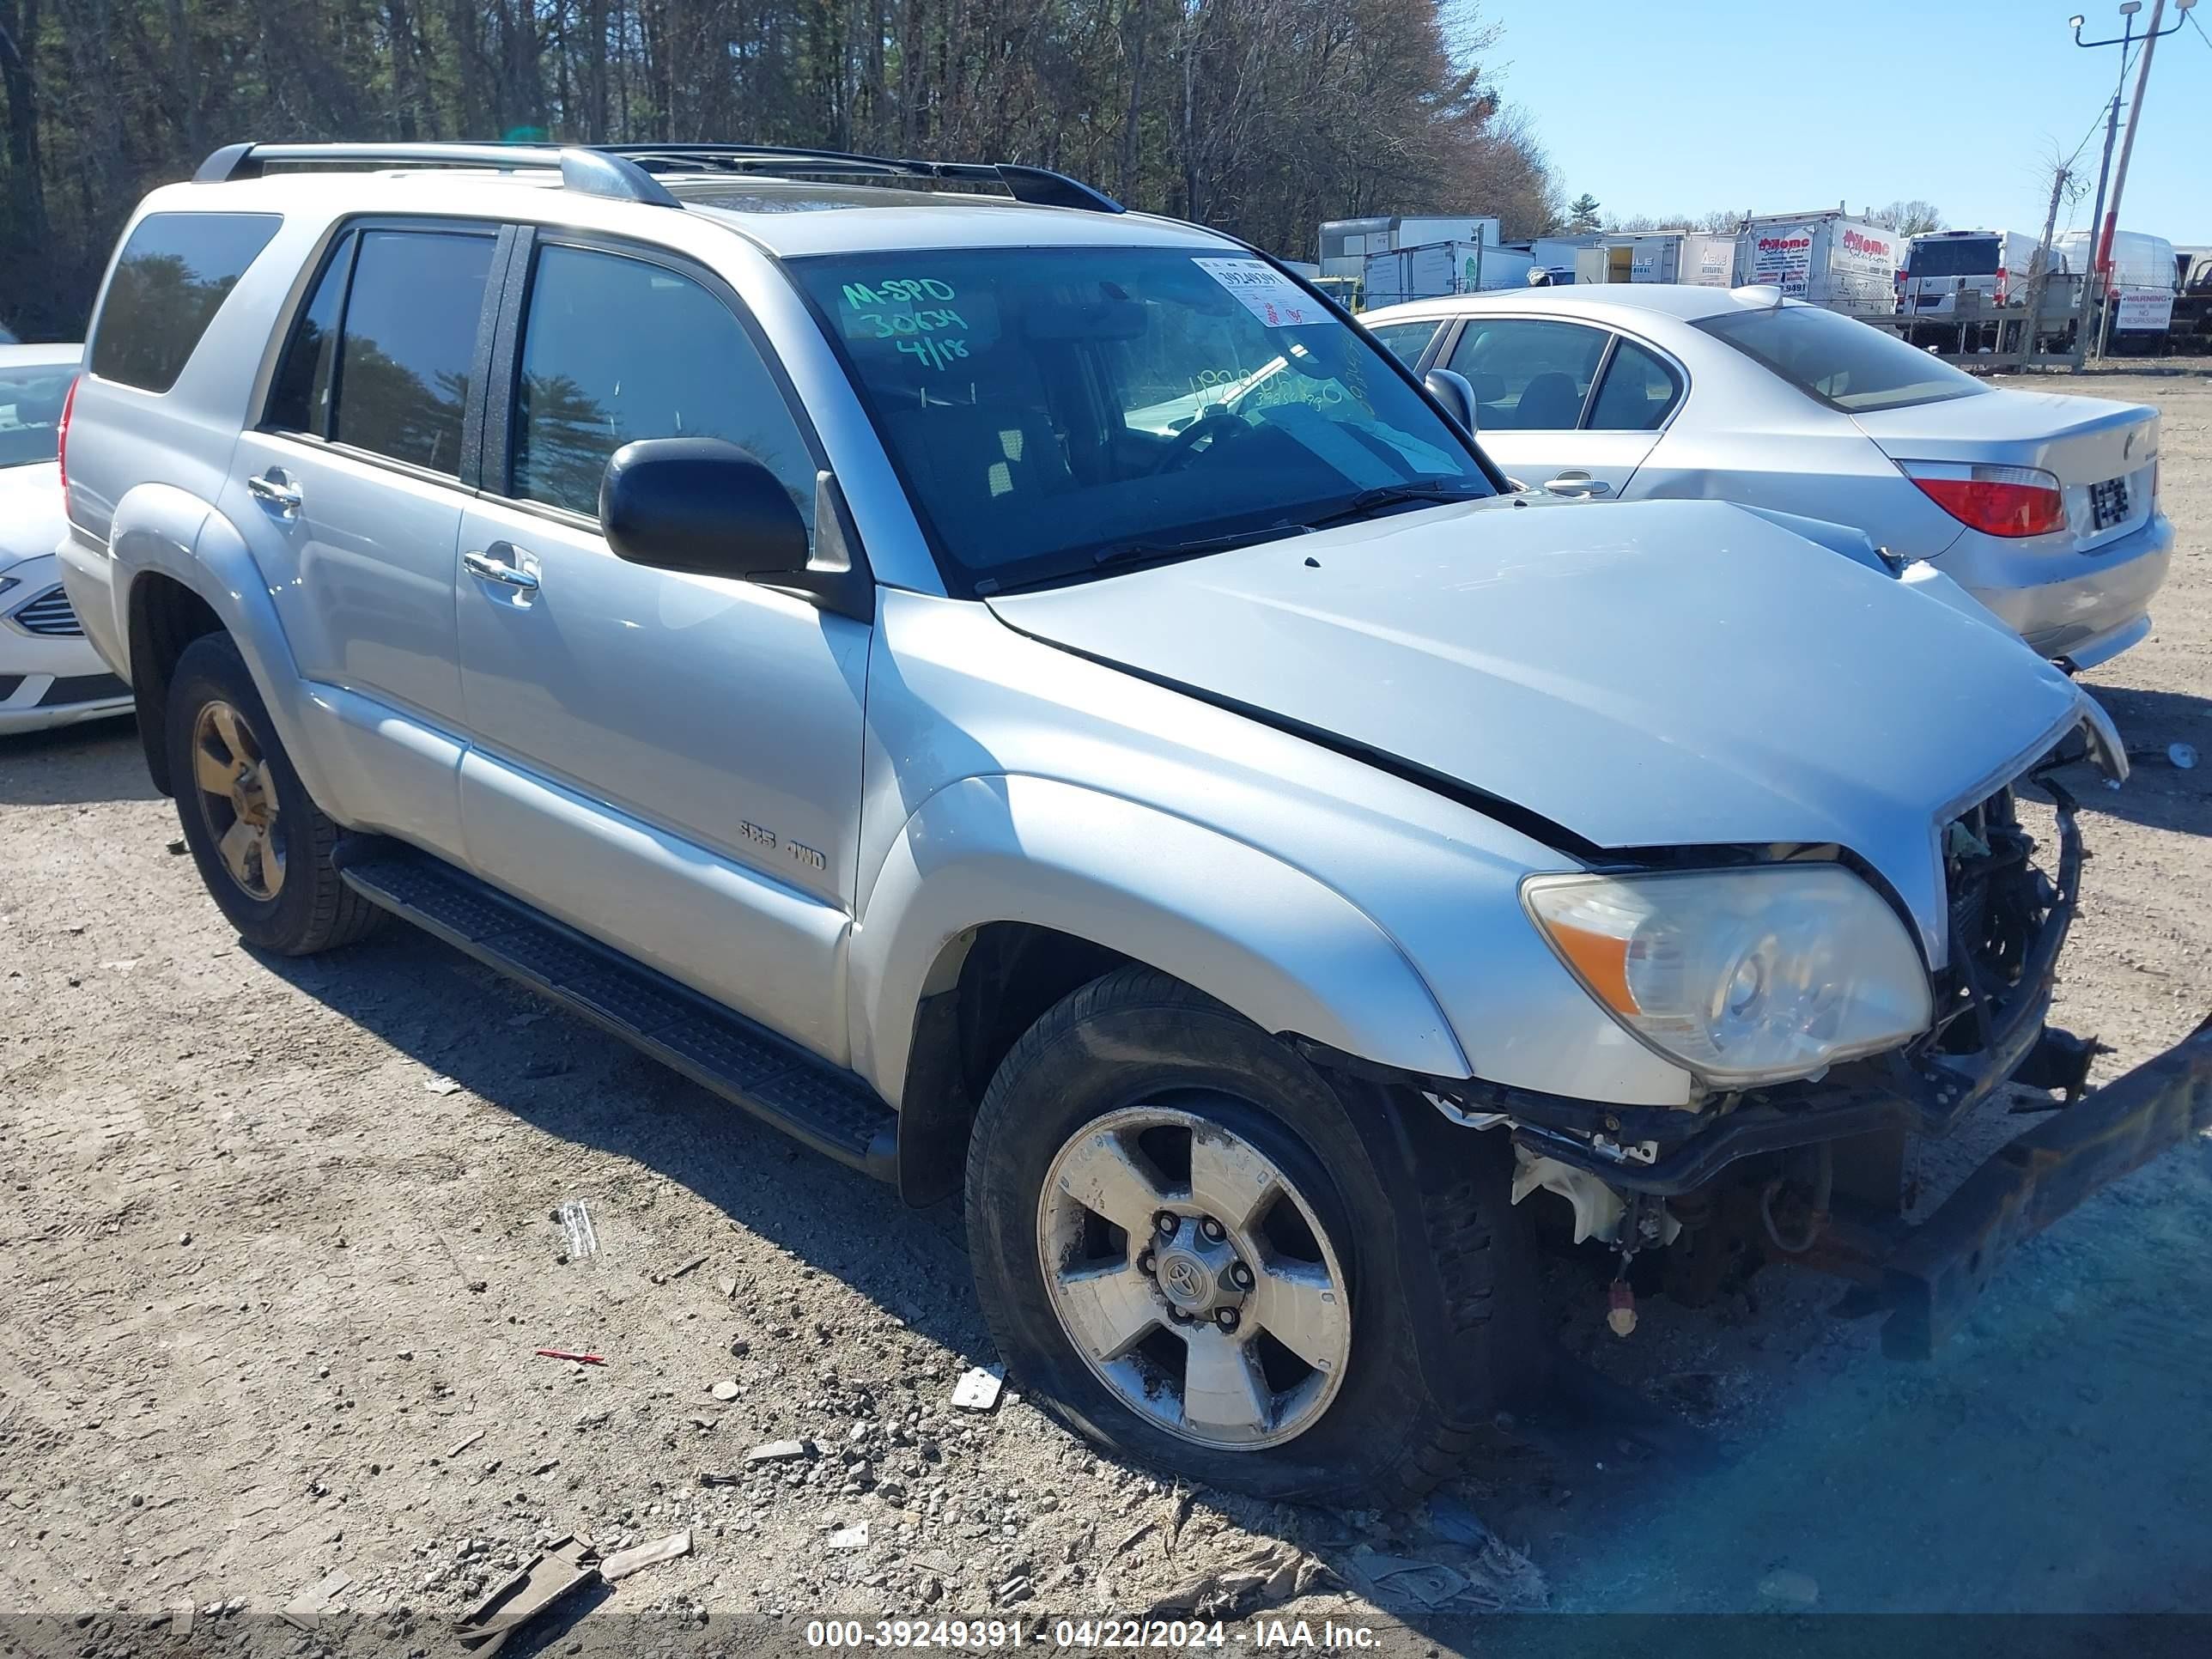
[589,172]
[625,172]
[1040,186]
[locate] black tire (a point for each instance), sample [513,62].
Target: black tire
[1431,1274]
[312,910]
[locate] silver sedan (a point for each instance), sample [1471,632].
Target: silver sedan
[2043,506]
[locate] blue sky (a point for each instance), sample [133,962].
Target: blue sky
[1687,106]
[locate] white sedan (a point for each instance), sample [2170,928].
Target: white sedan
[49,674]
[2042,506]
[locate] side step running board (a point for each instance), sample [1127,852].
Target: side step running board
[831,1111]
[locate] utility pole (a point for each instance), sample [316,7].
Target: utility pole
[2104,259]
[2038,275]
[2100,227]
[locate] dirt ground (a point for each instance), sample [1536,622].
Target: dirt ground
[280,1242]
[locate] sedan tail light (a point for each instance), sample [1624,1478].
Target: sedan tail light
[1997,500]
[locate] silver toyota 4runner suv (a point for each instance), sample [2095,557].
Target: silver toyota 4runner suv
[1027,697]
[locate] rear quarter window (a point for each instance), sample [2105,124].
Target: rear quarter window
[172,277]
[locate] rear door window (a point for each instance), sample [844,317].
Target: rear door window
[171,278]
[1527,375]
[679,365]
[1638,391]
[407,347]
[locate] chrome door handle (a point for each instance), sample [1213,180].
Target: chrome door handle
[490,565]
[1577,484]
[275,489]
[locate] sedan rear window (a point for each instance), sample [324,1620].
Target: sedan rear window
[1847,365]
[172,277]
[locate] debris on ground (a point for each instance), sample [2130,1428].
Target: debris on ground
[726,1390]
[1402,1579]
[855,1537]
[1267,1577]
[439,1084]
[622,1563]
[575,1219]
[977,1390]
[304,1608]
[563,1353]
[549,1575]
[780,1451]
[692,1265]
[462,1445]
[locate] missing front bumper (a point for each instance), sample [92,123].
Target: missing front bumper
[1933,1277]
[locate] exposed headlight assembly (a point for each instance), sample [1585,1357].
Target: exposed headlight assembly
[1750,975]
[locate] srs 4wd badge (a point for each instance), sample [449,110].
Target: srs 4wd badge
[767,839]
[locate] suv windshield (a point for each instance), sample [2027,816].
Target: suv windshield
[1053,410]
[1847,365]
[31,412]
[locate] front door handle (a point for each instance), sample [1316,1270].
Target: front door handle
[1577,484]
[275,488]
[499,563]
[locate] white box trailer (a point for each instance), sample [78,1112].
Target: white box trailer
[1708,258]
[1438,268]
[1632,256]
[1827,258]
[1346,243]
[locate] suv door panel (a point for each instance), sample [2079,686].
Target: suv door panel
[657,756]
[359,547]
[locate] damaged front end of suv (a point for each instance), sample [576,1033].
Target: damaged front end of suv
[1819,1169]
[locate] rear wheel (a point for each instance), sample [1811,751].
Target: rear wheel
[261,846]
[1186,1247]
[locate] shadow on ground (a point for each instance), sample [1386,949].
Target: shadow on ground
[75,765]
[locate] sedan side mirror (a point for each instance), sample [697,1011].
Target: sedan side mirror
[1453,391]
[701,504]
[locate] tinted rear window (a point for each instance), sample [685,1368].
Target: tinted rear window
[1849,366]
[174,275]
[1970,255]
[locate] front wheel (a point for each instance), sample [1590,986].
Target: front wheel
[1185,1248]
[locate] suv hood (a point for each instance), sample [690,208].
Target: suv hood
[1637,674]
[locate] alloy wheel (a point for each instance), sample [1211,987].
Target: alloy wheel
[1194,1278]
[237,800]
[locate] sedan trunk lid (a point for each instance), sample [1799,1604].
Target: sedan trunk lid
[2088,443]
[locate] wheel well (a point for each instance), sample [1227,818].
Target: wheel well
[166,616]
[987,987]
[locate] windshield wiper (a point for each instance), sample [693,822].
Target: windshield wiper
[1143,552]
[1397,495]
[1136,552]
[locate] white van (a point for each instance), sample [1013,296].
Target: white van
[2144,277]
[1941,265]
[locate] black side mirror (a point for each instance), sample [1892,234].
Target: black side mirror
[702,505]
[1453,391]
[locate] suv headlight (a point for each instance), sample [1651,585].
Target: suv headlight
[1750,975]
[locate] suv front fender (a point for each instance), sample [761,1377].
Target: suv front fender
[1287,952]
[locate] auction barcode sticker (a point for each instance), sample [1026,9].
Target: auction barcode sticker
[1267,293]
